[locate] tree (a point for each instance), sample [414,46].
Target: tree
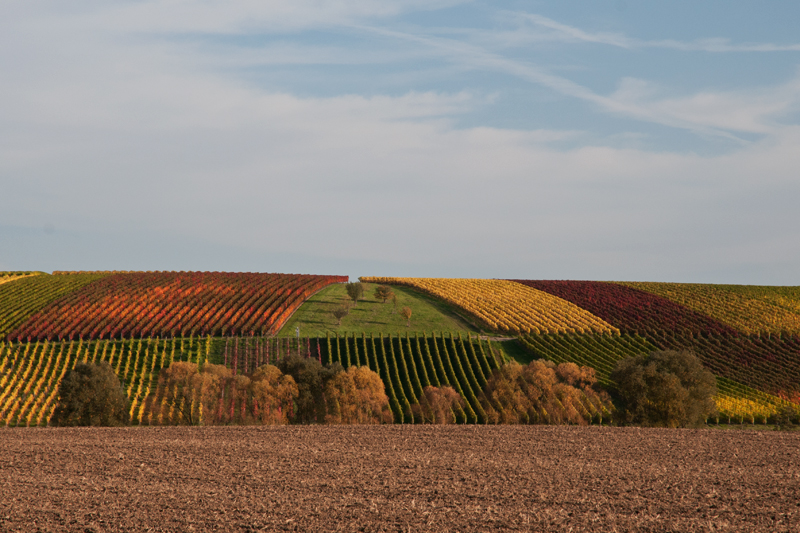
[179,382]
[665,388]
[91,395]
[273,395]
[192,395]
[544,393]
[355,290]
[357,396]
[311,379]
[436,405]
[340,312]
[383,292]
[405,312]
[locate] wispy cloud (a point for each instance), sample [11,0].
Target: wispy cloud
[566,33]
[713,113]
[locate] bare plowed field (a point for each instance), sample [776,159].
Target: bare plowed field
[398,478]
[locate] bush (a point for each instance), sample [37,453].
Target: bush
[91,395]
[213,395]
[784,417]
[664,389]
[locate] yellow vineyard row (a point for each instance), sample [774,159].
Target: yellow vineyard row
[741,410]
[30,373]
[749,309]
[5,277]
[506,306]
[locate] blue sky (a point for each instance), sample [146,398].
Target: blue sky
[607,140]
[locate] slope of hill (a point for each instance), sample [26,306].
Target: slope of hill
[751,309]
[315,316]
[129,305]
[505,306]
[21,298]
[630,309]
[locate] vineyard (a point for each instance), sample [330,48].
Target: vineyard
[22,298]
[629,309]
[30,372]
[5,277]
[505,306]
[746,308]
[157,304]
[601,352]
[141,322]
[408,364]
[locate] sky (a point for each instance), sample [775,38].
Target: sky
[599,140]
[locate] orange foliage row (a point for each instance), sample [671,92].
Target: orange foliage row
[169,304]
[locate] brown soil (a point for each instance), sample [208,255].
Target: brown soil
[398,478]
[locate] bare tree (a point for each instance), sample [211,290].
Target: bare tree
[341,312]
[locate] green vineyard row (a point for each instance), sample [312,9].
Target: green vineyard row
[409,364]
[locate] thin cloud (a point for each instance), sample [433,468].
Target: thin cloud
[567,33]
[482,59]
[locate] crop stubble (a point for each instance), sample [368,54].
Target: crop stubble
[398,478]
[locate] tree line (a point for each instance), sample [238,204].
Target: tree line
[664,388]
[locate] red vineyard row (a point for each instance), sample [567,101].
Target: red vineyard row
[631,310]
[172,304]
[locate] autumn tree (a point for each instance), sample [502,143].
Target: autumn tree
[189,394]
[311,378]
[357,396]
[355,291]
[437,405]
[383,292]
[340,312]
[213,394]
[273,395]
[405,312]
[210,386]
[664,388]
[91,395]
[544,393]
[177,384]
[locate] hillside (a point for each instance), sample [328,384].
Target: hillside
[155,304]
[315,317]
[140,322]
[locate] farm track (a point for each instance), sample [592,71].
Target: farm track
[398,478]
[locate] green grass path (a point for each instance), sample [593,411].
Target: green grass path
[315,316]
